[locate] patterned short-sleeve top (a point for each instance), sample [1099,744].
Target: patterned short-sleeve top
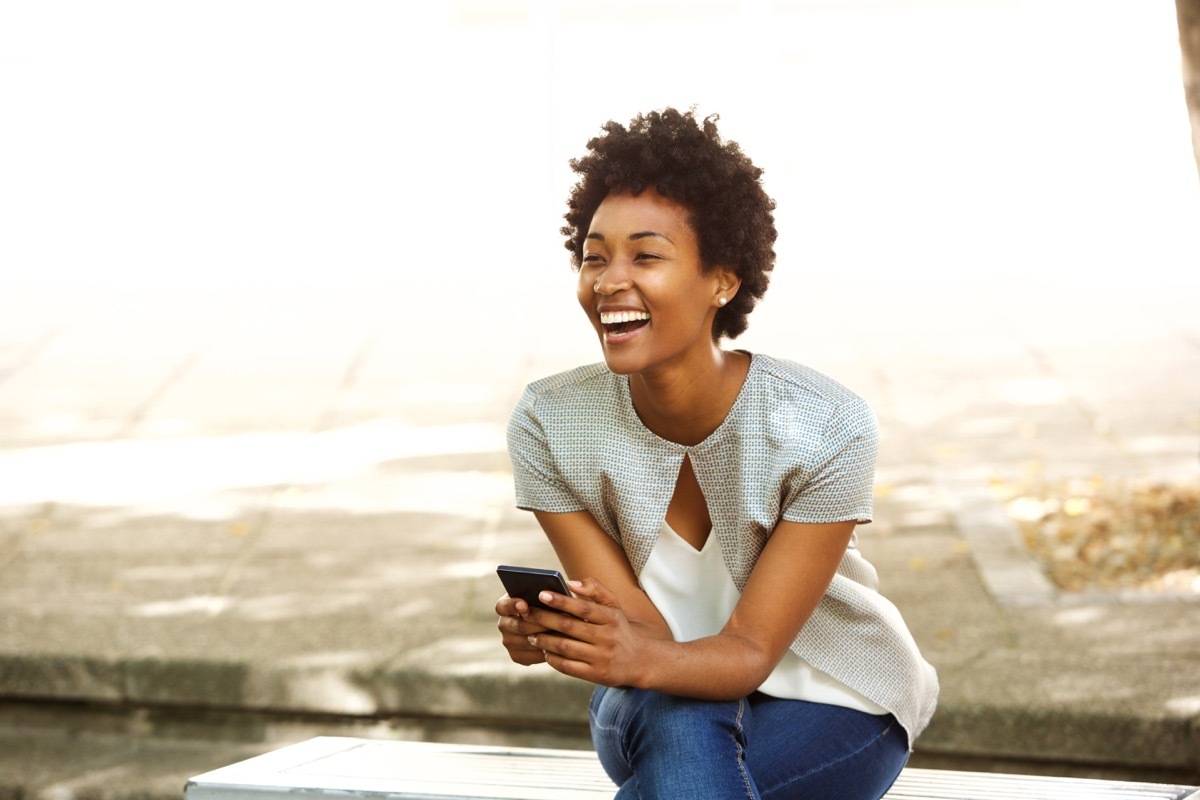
[796,445]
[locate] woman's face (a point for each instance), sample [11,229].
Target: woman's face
[642,286]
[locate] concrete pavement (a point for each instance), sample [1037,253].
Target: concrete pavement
[228,524]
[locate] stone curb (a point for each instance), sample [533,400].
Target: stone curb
[1011,574]
[497,694]
[978,726]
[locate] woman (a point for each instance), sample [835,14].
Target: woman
[704,501]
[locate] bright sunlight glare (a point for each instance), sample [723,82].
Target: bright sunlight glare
[211,203]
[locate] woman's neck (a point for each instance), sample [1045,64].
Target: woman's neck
[686,403]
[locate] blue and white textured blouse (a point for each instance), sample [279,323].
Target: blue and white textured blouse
[796,445]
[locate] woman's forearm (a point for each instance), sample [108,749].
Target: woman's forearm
[651,630]
[721,667]
[789,580]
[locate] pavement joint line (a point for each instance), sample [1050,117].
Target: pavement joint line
[233,571]
[181,368]
[359,360]
[34,350]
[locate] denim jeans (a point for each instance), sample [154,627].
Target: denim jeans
[658,747]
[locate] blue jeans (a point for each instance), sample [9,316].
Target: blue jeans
[655,746]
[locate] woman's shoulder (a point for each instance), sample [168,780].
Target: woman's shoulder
[806,412]
[791,380]
[588,378]
[571,392]
[576,406]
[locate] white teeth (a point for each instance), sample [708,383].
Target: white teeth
[613,317]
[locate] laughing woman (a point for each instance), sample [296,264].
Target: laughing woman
[703,501]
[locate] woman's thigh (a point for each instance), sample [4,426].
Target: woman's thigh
[798,749]
[656,746]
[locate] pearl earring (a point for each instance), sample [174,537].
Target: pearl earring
[721,301]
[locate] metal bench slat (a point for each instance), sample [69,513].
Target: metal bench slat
[367,768]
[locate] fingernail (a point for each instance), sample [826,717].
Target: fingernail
[532,640]
[546,597]
[576,584]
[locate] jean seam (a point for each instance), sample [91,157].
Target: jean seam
[736,736]
[838,760]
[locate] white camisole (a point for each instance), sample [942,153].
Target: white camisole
[671,577]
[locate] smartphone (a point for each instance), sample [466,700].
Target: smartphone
[527,582]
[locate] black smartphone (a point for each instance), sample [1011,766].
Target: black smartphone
[527,582]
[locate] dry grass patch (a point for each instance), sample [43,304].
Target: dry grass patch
[1112,535]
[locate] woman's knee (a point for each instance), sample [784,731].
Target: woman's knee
[668,724]
[656,745]
[687,719]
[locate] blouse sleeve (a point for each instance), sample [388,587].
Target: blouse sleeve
[539,484]
[837,485]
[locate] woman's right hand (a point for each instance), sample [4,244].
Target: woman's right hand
[515,630]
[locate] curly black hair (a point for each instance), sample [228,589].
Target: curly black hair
[686,161]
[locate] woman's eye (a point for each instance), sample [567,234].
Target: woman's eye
[646,257]
[591,258]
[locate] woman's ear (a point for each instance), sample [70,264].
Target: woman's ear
[728,284]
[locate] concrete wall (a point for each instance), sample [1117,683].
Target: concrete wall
[1189,41]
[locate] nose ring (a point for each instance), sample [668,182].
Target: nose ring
[596,288]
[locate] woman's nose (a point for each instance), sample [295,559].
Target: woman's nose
[615,278]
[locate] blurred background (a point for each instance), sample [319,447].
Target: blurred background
[272,275]
[248,188]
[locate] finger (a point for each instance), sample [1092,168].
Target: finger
[547,618]
[527,658]
[570,667]
[519,644]
[579,608]
[562,647]
[518,626]
[588,623]
[515,639]
[578,667]
[511,607]
[554,623]
[596,592]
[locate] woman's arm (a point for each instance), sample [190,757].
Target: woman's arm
[586,551]
[583,549]
[789,579]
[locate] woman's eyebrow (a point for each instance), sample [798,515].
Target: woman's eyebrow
[633,236]
[645,234]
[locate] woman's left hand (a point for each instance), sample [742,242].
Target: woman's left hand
[598,644]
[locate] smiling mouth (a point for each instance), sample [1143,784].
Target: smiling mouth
[616,323]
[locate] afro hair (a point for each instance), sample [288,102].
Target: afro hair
[685,161]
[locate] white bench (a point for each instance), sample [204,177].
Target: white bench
[328,767]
